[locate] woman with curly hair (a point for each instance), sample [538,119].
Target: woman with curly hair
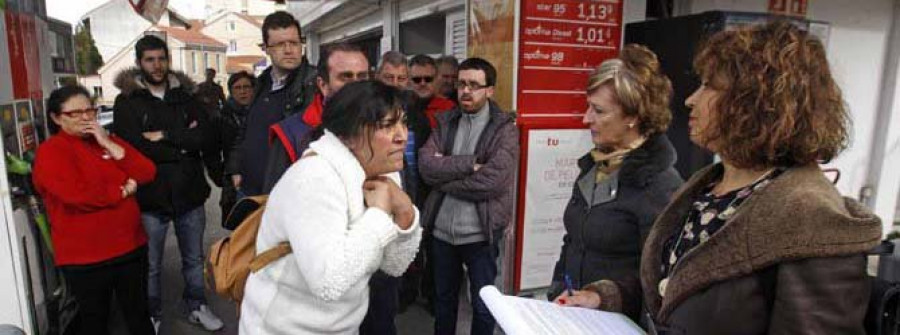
[625,181]
[761,242]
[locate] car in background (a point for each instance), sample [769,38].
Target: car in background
[105,117]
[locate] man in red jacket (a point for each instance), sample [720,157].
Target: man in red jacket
[423,72]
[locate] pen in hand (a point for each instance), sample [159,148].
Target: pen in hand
[568,282]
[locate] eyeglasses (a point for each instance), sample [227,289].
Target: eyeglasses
[350,76]
[391,77]
[285,44]
[419,80]
[461,85]
[78,113]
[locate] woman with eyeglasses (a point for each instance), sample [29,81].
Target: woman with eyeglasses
[87,179]
[230,124]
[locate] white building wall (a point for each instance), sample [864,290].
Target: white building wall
[856,51]
[246,35]
[114,26]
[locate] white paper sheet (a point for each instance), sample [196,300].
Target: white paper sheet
[519,316]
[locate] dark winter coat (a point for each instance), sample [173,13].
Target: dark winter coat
[607,222]
[491,187]
[789,261]
[298,93]
[188,141]
[231,124]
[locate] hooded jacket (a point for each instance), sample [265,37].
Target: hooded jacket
[188,140]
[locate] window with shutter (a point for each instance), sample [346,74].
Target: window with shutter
[456,35]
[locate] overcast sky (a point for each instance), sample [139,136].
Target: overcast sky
[71,10]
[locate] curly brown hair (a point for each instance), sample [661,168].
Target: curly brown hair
[781,104]
[639,85]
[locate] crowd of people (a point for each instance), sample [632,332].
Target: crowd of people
[396,184]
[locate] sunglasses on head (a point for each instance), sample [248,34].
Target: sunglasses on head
[418,80]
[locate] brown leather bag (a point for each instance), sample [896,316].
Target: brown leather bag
[232,258]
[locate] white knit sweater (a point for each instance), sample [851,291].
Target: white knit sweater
[338,243]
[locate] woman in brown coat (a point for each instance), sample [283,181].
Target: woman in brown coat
[761,243]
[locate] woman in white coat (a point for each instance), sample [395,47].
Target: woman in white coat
[344,216]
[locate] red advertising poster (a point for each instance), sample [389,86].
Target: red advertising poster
[14,38]
[32,54]
[560,43]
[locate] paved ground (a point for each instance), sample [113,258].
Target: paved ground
[415,320]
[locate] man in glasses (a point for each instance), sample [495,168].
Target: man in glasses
[470,162]
[423,73]
[158,114]
[285,88]
[339,65]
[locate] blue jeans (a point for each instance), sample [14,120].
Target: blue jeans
[480,260]
[189,231]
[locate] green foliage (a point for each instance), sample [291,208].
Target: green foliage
[87,58]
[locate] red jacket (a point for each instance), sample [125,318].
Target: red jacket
[435,106]
[90,222]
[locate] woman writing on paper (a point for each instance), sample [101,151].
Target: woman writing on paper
[625,181]
[761,242]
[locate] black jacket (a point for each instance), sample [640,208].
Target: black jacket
[254,139]
[179,157]
[606,225]
[231,124]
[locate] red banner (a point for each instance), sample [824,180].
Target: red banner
[14,40]
[560,43]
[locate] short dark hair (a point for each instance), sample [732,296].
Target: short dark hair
[422,60]
[322,66]
[208,70]
[238,76]
[394,58]
[149,42]
[58,97]
[279,20]
[475,63]
[447,60]
[355,110]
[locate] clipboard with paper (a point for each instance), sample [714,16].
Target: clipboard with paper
[519,316]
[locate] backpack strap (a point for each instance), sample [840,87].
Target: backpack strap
[269,256]
[276,252]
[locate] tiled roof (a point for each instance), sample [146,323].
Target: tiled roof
[241,63]
[190,36]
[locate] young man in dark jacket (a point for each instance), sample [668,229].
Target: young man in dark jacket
[158,114]
[283,89]
[470,162]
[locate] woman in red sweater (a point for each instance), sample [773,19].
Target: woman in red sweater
[87,180]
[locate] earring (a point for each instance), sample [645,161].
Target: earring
[631,125]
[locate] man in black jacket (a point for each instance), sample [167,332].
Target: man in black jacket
[283,89]
[158,114]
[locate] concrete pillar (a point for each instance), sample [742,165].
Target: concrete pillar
[390,38]
[883,181]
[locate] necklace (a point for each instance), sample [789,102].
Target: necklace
[742,194]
